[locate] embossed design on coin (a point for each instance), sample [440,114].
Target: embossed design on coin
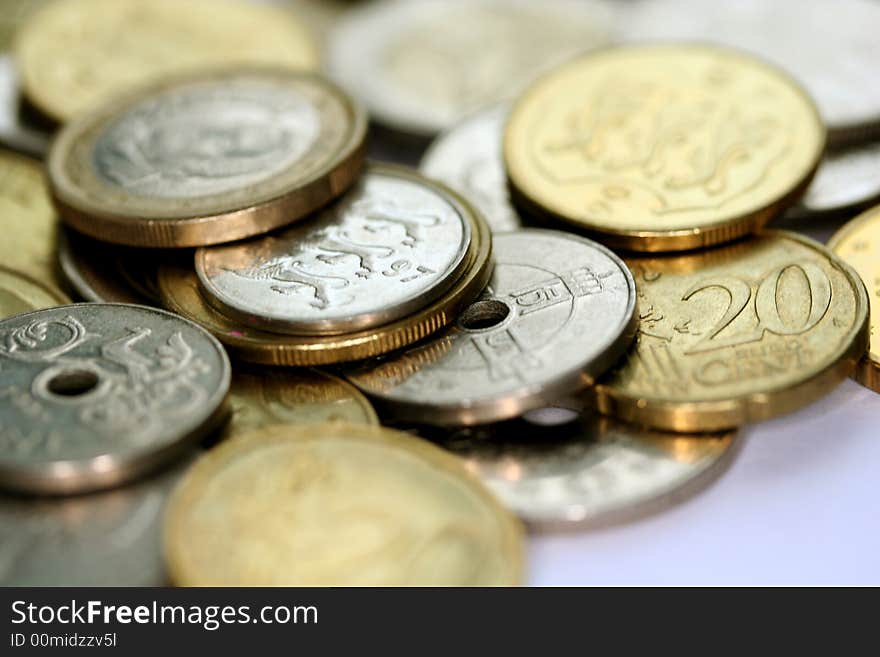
[663,147]
[370,506]
[858,243]
[838,69]
[73,59]
[391,245]
[590,471]
[468,159]
[20,294]
[108,538]
[207,159]
[559,310]
[420,67]
[108,390]
[737,334]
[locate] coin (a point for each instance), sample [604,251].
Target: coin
[27,220]
[208,159]
[846,180]
[391,245]
[337,505]
[590,472]
[19,293]
[468,159]
[737,334]
[180,292]
[261,397]
[663,147]
[838,70]
[420,67]
[858,244]
[123,275]
[15,132]
[558,312]
[108,538]
[94,395]
[73,59]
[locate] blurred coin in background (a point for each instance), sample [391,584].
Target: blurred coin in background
[830,46]
[372,507]
[662,147]
[468,158]
[422,66]
[15,131]
[848,179]
[20,293]
[77,54]
[737,334]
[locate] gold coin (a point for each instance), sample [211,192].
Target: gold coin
[12,15]
[77,54]
[19,293]
[207,159]
[663,147]
[266,396]
[858,243]
[737,334]
[28,222]
[337,505]
[181,293]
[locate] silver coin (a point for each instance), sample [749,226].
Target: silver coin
[421,66]
[592,471]
[468,158]
[837,64]
[846,180]
[14,133]
[109,538]
[389,246]
[558,312]
[93,395]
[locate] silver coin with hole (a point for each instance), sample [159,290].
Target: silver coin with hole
[558,312]
[93,395]
[558,470]
[106,538]
[388,247]
[847,179]
[468,158]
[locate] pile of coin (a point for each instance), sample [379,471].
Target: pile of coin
[208,195]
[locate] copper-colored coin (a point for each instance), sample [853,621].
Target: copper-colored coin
[207,159]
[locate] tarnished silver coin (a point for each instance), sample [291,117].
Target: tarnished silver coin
[388,247]
[93,395]
[558,312]
[468,158]
[847,179]
[837,65]
[591,471]
[14,132]
[421,66]
[107,538]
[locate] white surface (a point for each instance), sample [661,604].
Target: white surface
[799,505]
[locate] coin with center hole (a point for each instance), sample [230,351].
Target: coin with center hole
[558,312]
[468,159]
[207,159]
[391,245]
[588,471]
[19,293]
[94,395]
[337,505]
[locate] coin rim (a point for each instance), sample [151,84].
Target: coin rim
[81,474]
[653,240]
[191,487]
[719,415]
[50,290]
[112,223]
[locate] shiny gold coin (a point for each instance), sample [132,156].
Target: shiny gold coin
[737,334]
[181,293]
[19,293]
[207,159]
[266,396]
[663,147]
[858,243]
[337,505]
[77,54]
[28,223]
